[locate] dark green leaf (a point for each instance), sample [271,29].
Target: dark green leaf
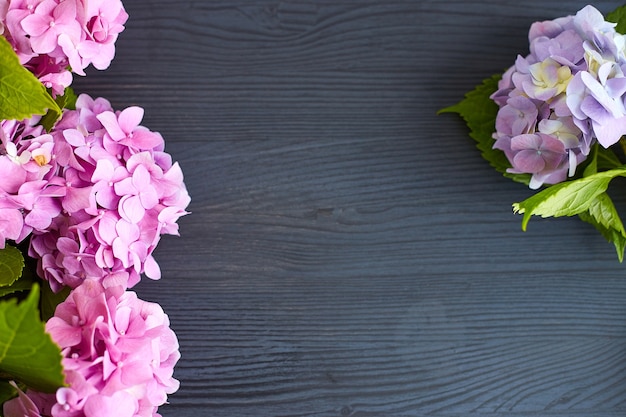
[50,300]
[22,284]
[27,353]
[479,112]
[66,101]
[11,265]
[7,391]
[618,16]
[21,93]
[567,198]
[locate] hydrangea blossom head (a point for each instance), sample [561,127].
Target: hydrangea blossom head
[118,357]
[95,194]
[571,89]
[50,35]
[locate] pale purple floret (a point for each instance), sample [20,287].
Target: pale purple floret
[517,116]
[601,100]
[574,79]
[542,155]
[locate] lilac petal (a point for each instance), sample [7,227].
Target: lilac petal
[611,131]
[527,141]
[529,161]
[593,109]
[600,94]
[616,87]
[550,143]
[576,93]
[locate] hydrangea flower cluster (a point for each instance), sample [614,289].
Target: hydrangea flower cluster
[51,35]
[94,195]
[91,196]
[119,354]
[568,93]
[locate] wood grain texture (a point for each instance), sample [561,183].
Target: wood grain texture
[349,253]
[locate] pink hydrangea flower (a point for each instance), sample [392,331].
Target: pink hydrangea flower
[118,357]
[103,181]
[50,35]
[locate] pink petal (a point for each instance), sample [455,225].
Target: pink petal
[149,198]
[145,139]
[76,199]
[74,137]
[127,231]
[141,177]
[109,121]
[131,209]
[106,228]
[125,187]
[151,268]
[35,24]
[120,404]
[130,118]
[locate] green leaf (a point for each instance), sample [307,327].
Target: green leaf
[567,198]
[21,93]
[7,391]
[618,16]
[479,112]
[50,300]
[11,265]
[21,285]
[27,353]
[603,215]
[24,283]
[66,101]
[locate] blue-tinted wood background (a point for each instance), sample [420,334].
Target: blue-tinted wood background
[349,252]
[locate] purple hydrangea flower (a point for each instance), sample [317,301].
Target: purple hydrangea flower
[568,93]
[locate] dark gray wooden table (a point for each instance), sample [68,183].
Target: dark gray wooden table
[349,252]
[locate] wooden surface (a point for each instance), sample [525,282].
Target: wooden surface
[349,252]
